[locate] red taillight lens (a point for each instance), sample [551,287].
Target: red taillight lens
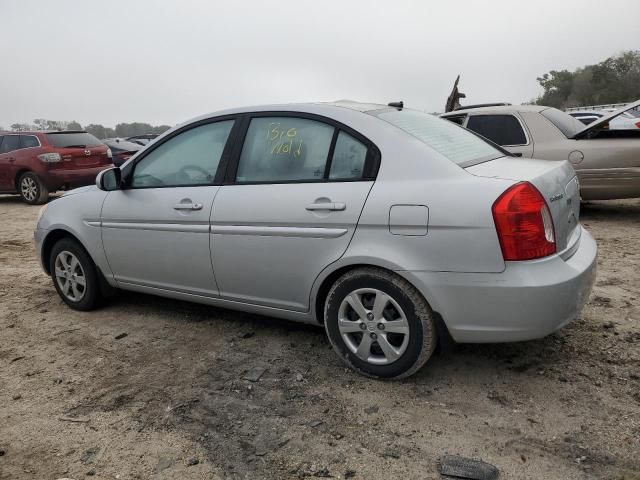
[523,222]
[638,124]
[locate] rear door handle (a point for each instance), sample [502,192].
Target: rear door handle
[187,206]
[335,206]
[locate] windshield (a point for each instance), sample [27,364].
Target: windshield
[73,139]
[450,140]
[567,124]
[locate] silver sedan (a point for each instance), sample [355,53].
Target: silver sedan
[390,227]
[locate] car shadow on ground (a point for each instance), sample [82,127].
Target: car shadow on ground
[515,356]
[617,211]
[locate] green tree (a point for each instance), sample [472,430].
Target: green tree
[73,125]
[614,80]
[96,130]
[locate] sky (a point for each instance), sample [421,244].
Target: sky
[163,62]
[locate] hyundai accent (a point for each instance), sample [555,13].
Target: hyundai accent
[390,227]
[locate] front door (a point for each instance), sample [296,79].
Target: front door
[291,208]
[155,230]
[8,146]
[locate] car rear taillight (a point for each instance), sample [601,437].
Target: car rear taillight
[50,157]
[638,124]
[523,223]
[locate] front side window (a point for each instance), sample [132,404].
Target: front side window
[10,143]
[282,149]
[189,158]
[349,157]
[504,130]
[453,142]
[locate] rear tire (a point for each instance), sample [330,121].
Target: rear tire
[74,275]
[379,324]
[32,190]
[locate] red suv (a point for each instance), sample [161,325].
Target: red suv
[33,164]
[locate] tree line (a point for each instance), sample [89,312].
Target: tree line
[100,131]
[614,80]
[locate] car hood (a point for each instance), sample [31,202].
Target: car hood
[606,118]
[86,188]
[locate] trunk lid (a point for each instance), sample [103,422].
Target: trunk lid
[556,181]
[78,150]
[598,124]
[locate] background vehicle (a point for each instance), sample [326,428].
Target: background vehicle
[607,161]
[143,139]
[625,121]
[389,226]
[121,149]
[33,164]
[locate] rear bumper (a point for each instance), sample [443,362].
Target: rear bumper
[78,177]
[528,300]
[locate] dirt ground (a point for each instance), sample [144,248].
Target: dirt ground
[154,388]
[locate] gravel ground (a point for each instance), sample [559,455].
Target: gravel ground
[154,388]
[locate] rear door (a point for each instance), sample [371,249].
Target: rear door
[289,208]
[506,130]
[155,230]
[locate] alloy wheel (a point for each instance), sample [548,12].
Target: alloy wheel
[29,189]
[70,276]
[373,326]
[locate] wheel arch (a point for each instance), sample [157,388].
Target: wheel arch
[19,174]
[50,240]
[328,278]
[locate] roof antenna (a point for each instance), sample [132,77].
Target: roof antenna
[399,105]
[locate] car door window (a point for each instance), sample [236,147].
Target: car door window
[349,157]
[282,149]
[505,130]
[10,143]
[29,141]
[189,158]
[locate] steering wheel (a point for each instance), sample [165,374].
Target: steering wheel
[184,172]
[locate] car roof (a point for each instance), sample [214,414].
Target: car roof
[321,108]
[498,109]
[41,132]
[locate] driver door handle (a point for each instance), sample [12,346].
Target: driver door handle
[187,206]
[335,206]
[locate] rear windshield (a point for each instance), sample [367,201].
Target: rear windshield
[568,125]
[450,140]
[73,139]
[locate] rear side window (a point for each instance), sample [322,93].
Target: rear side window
[568,125]
[349,157]
[189,158]
[10,143]
[29,141]
[281,149]
[73,140]
[453,142]
[505,130]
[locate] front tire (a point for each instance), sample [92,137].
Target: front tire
[32,190]
[74,275]
[379,324]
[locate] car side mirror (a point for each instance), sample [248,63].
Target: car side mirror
[109,180]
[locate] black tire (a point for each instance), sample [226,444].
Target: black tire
[422,337]
[92,296]
[32,190]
